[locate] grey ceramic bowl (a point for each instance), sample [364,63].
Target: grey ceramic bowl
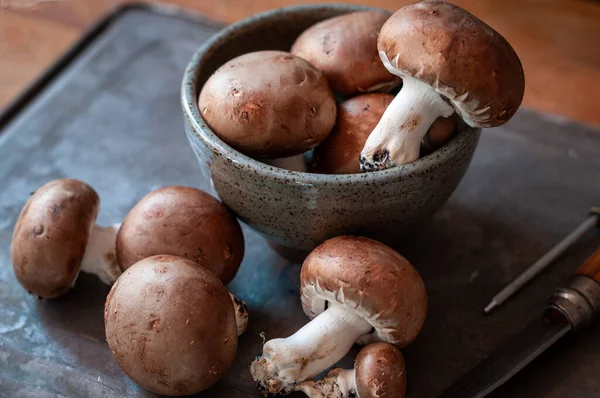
[300,210]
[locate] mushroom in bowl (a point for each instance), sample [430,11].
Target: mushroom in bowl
[55,237]
[299,210]
[344,48]
[356,118]
[268,104]
[449,61]
[355,290]
[379,372]
[171,325]
[186,222]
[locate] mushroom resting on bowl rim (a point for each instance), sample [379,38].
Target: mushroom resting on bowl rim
[268,104]
[449,61]
[355,290]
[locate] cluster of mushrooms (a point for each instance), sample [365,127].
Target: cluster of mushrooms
[171,258]
[333,104]
[169,262]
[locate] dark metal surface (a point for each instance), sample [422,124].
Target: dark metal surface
[571,308]
[498,368]
[542,263]
[112,119]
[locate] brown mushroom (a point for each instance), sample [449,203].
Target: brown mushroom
[356,118]
[449,61]
[55,237]
[186,222]
[344,48]
[440,132]
[268,104]
[379,372]
[170,325]
[355,290]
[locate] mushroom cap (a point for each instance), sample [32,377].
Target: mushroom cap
[344,48]
[268,104]
[356,119]
[186,222]
[372,280]
[380,372]
[170,325]
[460,56]
[51,234]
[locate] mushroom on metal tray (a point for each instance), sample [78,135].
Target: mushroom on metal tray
[379,372]
[186,222]
[55,237]
[354,289]
[449,61]
[171,325]
[344,48]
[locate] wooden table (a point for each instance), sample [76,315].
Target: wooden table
[529,184]
[558,41]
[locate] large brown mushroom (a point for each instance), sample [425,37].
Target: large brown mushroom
[449,61]
[171,326]
[355,290]
[356,118]
[186,222]
[268,104]
[379,372]
[55,237]
[344,48]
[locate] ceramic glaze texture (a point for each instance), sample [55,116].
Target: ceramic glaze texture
[300,210]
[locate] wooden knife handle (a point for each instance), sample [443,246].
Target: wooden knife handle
[591,267]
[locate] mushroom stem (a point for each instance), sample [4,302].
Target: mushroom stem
[241,314]
[315,347]
[339,383]
[100,258]
[397,137]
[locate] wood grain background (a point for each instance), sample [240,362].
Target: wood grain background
[558,41]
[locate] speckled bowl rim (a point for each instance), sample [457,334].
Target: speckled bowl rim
[190,92]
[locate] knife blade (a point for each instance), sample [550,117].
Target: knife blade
[569,309]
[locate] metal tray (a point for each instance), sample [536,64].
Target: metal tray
[108,113]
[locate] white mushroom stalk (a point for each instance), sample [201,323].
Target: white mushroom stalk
[397,137]
[100,258]
[241,314]
[339,383]
[315,347]
[449,61]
